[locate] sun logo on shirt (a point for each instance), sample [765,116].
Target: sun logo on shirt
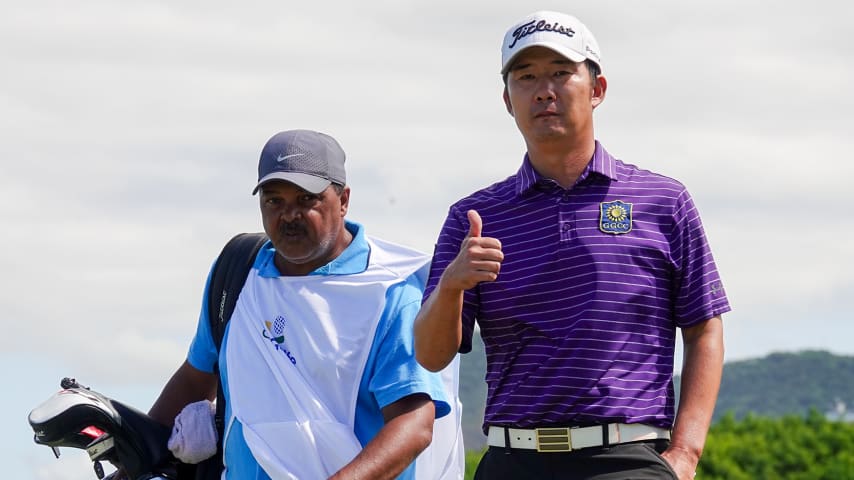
[616,213]
[615,217]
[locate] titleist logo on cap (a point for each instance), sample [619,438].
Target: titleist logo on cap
[535,26]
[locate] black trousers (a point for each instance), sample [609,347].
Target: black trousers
[627,461]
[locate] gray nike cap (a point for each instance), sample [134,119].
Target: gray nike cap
[308,159]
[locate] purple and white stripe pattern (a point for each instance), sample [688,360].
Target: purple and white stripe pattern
[580,326]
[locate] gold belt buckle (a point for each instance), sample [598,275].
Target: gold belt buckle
[553,440]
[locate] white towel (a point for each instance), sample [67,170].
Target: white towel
[194,434]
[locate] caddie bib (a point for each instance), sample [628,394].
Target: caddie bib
[296,353]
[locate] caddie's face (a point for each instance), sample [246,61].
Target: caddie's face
[550,96]
[306,228]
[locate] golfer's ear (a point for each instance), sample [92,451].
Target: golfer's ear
[600,86]
[507,102]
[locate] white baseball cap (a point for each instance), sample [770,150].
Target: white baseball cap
[556,31]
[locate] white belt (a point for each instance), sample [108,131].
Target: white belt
[564,439]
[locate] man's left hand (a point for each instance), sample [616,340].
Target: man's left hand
[681,462]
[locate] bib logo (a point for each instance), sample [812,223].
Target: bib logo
[615,217]
[275,333]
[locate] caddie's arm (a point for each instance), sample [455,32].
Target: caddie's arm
[187,385]
[408,430]
[438,326]
[701,378]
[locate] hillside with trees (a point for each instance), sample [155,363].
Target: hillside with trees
[788,383]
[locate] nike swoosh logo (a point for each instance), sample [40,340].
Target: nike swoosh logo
[282,158]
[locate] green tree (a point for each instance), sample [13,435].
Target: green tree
[786,448]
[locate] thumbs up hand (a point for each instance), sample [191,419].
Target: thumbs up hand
[475,224]
[479,259]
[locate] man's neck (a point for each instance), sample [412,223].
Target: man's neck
[561,162]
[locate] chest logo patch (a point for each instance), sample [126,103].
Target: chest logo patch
[275,333]
[615,217]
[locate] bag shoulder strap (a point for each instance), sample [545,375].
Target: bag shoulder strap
[227,279]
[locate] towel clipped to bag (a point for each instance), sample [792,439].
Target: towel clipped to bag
[194,435]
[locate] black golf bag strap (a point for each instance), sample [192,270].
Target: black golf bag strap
[227,279]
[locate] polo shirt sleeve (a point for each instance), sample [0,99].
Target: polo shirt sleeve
[202,354]
[394,371]
[447,247]
[699,293]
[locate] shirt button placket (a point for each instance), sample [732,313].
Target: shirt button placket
[565,218]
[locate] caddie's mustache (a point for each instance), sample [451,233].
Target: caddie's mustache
[292,228]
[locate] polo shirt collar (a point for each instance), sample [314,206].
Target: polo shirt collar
[602,163]
[354,258]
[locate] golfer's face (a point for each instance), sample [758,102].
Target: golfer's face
[549,95]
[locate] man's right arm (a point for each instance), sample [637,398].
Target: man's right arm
[187,385]
[438,326]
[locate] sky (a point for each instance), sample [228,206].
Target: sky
[131,132]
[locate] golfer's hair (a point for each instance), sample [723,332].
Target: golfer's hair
[594,70]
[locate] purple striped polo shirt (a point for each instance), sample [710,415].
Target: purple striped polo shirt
[580,326]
